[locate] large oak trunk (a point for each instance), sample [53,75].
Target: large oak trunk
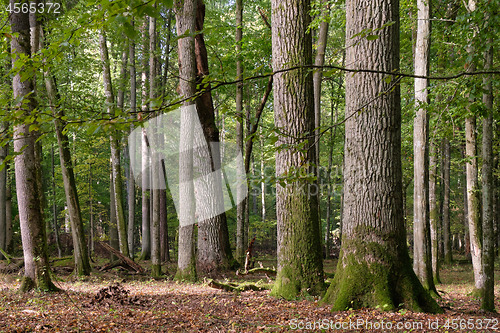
[300,267]
[374,268]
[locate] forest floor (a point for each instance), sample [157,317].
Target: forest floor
[116,302]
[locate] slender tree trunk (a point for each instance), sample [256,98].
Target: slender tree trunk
[8,221]
[300,267]
[164,242]
[448,256]
[185,14]
[54,205]
[319,60]
[374,268]
[214,252]
[91,215]
[473,203]
[80,250]
[488,190]
[434,212]
[115,148]
[34,239]
[155,161]
[240,193]
[422,255]
[132,149]
[473,194]
[3,191]
[113,230]
[145,229]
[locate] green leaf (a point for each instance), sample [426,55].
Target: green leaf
[372,37]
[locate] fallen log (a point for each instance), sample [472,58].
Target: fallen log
[123,261]
[232,287]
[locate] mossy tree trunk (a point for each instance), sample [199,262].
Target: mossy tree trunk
[185,15]
[27,167]
[374,268]
[300,266]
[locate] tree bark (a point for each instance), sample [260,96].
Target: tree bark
[488,190]
[214,251]
[115,148]
[34,239]
[80,250]
[146,200]
[185,13]
[131,179]
[448,254]
[374,268]
[155,161]
[319,60]
[300,267]
[434,212]
[422,255]
[3,191]
[240,193]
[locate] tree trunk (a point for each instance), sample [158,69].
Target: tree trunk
[185,13]
[146,202]
[448,256]
[34,239]
[422,255]
[240,192]
[319,60]
[164,243]
[300,266]
[473,194]
[214,251]
[488,190]
[115,148]
[3,191]
[155,161]
[113,230]
[80,250]
[374,268]
[8,221]
[434,212]
[131,179]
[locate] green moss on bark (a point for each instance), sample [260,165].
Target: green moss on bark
[371,275]
[188,274]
